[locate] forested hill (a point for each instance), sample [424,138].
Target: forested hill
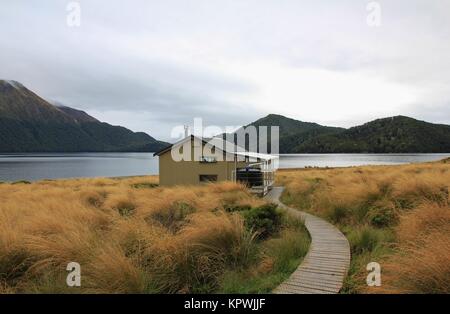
[28,123]
[398,134]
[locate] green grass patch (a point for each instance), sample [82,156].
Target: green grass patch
[281,256]
[243,283]
[144,185]
[367,238]
[368,244]
[21,182]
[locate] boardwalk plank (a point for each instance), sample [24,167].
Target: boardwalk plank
[325,266]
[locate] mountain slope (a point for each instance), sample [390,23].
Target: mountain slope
[78,115]
[398,134]
[389,135]
[28,123]
[289,126]
[19,103]
[293,132]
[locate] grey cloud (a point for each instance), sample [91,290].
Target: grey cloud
[145,58]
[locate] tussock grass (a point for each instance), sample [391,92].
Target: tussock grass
[366,239]
[279,257]
[131,236]
[398,216]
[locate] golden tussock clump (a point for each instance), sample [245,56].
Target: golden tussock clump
[421,263]
[129,235]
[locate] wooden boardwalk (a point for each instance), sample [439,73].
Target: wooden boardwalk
[325,266]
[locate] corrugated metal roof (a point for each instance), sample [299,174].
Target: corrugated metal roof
[223,145]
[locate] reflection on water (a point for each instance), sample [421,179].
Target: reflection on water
[70,165]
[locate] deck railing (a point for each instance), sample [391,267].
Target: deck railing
[260,186]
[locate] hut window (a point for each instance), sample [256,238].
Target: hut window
[208,178]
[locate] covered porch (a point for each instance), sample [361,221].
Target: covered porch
[258,176]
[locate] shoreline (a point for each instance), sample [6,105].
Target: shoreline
[308,168]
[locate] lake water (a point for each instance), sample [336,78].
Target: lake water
[71,165]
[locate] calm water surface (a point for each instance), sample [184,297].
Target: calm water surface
[347,160]
[72,165]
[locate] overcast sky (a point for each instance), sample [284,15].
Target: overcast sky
[152,65]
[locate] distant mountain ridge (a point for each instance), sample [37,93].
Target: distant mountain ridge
[293,132]
[29,123]
[398,134]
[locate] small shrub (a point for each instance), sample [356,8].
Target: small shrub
[265,219]
[230,208]
[382,217]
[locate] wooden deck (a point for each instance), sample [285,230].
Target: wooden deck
[325,266]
